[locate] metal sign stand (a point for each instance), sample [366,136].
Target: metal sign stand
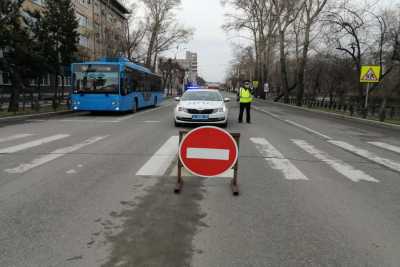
[234,182]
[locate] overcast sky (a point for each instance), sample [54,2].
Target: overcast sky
[209,41]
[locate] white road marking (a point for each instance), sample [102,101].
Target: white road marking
[80,166]
[95,121]
[143,112]
[338,165]
[295,124]
[389,147]
[152,121]
[158,164]
[17,148]
[71,172]
[308,129]
[14,137]
[277,161]
[54,155]
[367,155]
[207,153]
[267,112]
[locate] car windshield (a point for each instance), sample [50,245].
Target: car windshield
[201,96]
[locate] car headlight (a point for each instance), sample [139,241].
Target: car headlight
[181,109]
[219,110]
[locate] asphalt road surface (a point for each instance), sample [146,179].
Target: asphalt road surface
[97,190]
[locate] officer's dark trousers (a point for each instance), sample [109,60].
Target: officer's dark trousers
[244,106]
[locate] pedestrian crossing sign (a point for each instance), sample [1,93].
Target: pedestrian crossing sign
[370,74]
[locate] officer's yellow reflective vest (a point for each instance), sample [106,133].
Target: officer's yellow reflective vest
[245,96]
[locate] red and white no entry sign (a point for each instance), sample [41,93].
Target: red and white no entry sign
[208,151]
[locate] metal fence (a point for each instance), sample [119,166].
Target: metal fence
[391,112]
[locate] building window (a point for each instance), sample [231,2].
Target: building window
[38,2]
[5,78]
[83,20]
[83,41]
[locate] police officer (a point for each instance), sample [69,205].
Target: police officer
[245,98]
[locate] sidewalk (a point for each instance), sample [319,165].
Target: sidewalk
[335,114]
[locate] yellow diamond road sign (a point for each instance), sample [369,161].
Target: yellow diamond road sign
[370,74]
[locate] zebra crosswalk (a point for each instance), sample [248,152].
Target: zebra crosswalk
[395,166]
[24,167]
[40,141]
[32,144]
[287,168]
[277,160]
[341,167]
[160,163]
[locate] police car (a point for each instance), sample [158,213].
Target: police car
[201,106]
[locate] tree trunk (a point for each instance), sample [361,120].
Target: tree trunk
[284,74]
[382,109]
[17,85]
[151,48]
[302,67]
[54,85]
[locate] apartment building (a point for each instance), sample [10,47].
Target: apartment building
[190,65]
[103,25]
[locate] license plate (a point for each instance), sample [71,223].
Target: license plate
[200,117]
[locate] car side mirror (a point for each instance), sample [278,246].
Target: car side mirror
[227,100]
[177,99]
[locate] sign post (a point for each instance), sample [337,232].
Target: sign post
[208,152]
[369,74]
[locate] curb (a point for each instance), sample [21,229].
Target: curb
[339,116]
[34,116]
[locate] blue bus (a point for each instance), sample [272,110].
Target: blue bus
[114,84]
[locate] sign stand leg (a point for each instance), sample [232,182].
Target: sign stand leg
[234,182]
[179,183]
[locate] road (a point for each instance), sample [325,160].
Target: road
[97,190]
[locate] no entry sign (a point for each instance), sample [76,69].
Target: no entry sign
[208,151]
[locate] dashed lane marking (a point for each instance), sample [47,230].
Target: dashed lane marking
[144,112]
[295,124]
[309,129]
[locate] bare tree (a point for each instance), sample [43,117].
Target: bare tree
[286,13]
[132,44]
[348,26]
[311,10]
[163,31]
[256,17]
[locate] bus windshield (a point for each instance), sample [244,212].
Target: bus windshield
[96,78]
[97,82]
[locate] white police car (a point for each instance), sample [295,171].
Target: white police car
[201,106]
